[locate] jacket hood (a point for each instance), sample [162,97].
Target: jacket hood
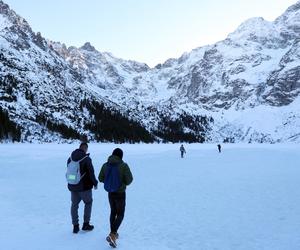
[78,154]
[113,159]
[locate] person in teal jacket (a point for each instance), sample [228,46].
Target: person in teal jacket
[117,199]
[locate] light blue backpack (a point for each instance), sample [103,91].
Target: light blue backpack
[73,174]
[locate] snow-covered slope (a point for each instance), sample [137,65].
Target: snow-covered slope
[233,85]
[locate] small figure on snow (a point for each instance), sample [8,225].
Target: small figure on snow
[182,151]
[81,179]
[116,175]
[219,148]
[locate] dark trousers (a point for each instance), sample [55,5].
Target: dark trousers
[87,198]
[182,153]
[117,203]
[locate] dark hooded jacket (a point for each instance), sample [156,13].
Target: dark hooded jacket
[88,180]
[125,173]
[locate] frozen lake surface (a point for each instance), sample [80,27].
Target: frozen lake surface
[247,197]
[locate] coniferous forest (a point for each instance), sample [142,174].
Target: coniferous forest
[9,130]
[111,125]
[185,128]
[65,131]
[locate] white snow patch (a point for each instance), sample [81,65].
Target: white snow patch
[4,23]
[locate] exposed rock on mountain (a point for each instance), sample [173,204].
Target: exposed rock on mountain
[244,88]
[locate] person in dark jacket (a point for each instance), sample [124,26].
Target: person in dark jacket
[83,190]
[117,200]
[219,148]
[182,150]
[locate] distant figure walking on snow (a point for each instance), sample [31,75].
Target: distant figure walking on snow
[182,150]
[219,148]
[116,175]
[81,179]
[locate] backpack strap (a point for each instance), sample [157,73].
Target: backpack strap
[83,158]
[79,165]
[80,159]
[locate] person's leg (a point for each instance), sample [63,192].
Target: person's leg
[87,197]
[75,198]
[120,203]
[113,210]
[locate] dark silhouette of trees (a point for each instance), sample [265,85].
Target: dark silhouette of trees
[111,125]
[64,130]
[185,128]
[9,130]
[8,84]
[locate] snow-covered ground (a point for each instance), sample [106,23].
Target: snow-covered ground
[247,197]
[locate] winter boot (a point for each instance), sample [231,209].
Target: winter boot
[112,239]
[87,227]
[75,229]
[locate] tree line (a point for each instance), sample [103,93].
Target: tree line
[110,125]
[65,131]
[185,128]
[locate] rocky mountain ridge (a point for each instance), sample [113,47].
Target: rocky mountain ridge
[204,95]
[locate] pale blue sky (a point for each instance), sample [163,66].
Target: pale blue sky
[148,31]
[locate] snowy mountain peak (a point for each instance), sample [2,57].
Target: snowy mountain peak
[4,8]
[87,46]
[253,28]
[11,17]
[294,8]
[289,21]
